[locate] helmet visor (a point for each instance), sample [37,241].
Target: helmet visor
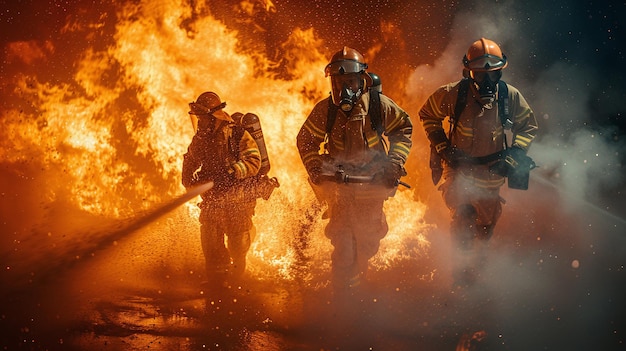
[486,63]
[344,67]
[343,85]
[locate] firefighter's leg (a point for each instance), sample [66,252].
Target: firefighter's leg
[242,232]
[463,226]
[238,245]
[462,231]
[344,267]
[458,194]
[370,227]
[489,209]
[212,238]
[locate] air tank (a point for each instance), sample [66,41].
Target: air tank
[252,124]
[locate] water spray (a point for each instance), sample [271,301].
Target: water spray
[120,229]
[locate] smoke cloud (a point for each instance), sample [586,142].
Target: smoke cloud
[551,251]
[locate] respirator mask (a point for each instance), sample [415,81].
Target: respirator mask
[486,83]
[346,90]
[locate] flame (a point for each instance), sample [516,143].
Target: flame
[109,136]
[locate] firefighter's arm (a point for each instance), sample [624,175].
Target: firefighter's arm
[249,161]
[191,163]
[524,124]
[309,139]
[432,115]
[435,110]
[398,129]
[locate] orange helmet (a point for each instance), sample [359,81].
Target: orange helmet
[484,56]
[346,61]
[209,103]
[348,77]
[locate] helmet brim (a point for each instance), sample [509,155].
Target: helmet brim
[200,110]
[344,67]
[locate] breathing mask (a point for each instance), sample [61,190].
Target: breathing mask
[486,83]
[346,90]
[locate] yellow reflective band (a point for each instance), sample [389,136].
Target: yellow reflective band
[520,139]
[373,141]
[251,152]
[435,106]
[469,132]
[401,147]
[393,124]
[488,184]
[314,130]
[241,169]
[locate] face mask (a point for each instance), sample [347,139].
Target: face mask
[486,84]
[346,91]
[348,98]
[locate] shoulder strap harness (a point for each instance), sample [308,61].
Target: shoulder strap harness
[503,104]
[374,113]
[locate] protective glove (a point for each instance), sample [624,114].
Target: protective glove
[514,160]
[440,143]
[519,165]
[452,156]
[392,172]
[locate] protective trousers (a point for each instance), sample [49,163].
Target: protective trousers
[357,224]
[475,212]
[233,221]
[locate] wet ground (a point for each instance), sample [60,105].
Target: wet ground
[556,284]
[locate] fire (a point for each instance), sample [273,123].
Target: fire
[109,138]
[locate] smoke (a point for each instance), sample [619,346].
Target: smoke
[558,250]
[553,241]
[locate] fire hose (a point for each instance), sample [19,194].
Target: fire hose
[340,176]
[54,265]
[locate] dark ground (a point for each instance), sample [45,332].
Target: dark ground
[555,283]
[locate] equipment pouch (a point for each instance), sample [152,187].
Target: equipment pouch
[519,171]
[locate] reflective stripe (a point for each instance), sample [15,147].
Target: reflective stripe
[522,140]
[354,281]
[315,131]
[309,156]
[401,149]
[373,141]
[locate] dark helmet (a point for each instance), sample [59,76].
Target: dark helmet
[209,103]
[348,77]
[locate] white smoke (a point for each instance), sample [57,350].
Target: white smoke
[544,256]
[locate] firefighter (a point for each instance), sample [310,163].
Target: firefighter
[491,128]
[223,152]
[350,133]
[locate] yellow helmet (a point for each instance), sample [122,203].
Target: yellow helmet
[484,55]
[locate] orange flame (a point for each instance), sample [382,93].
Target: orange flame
[110,139]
